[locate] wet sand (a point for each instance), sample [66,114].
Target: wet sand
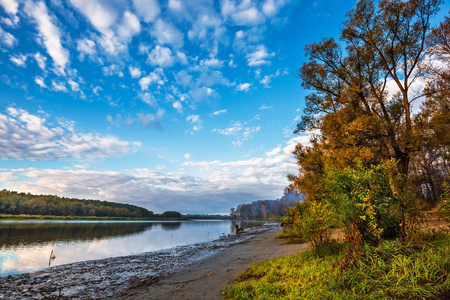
[207,279]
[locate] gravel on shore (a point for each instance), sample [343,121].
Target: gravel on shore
[106,278]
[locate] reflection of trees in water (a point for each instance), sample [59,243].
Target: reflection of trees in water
[170,225]
[34,233]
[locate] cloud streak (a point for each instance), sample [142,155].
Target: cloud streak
[27,136]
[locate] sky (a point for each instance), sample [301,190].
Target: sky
[185,105]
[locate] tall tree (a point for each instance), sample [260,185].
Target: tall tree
[351,105]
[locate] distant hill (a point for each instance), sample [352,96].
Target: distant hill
[15,203]
[267,209]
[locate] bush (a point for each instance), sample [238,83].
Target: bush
[370,203]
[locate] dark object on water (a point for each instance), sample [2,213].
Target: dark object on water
[52,258]
[239,229]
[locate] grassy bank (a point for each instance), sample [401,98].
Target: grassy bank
[417,270]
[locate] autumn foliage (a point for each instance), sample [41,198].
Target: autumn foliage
[376,152]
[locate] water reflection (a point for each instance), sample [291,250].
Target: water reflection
[171,225]
[24,233]
[26,246]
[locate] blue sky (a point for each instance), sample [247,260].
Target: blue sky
[171,105]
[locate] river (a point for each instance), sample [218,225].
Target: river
[27,245]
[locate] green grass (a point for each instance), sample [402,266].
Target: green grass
[290,237]
[391,271]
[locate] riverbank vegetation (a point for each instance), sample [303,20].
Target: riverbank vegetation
[270,210]
[373,165]
[25,206]
[14,203]
[391,270]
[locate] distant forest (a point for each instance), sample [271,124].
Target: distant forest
[267,209]
[15,203]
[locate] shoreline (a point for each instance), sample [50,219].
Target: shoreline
[207,279]
[115,276]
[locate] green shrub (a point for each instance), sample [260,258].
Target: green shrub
[369,203]
[314,224]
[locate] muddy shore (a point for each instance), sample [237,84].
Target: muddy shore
[150,275]
[207,279]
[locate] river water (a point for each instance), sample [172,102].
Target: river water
[27,245]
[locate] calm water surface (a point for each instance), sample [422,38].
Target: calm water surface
[26,245]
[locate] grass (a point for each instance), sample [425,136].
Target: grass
[290,237]
[418,270]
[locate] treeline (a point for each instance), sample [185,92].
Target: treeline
[267,209]
[207,217]
[14,203]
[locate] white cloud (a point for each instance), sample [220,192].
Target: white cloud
[20,60]
[148,120]
[59,87]
[167,34]
[211,62]
[74,86]
[219,112]
[196,121]
[113,69]
[49,33]
[271,7]
[114,121]
[273,152]
[86,47]
[152,78]
[129,27]
[148,10]
[40,81]
[193,118]
[265,107]
[187,156]
[101,16]
[96,89]
[175,5]
[12,21]
[7,38]
[210,78]
[259,57]
[268,78]
[243,87]
[207,28]
[27,136]
[241,131]
[182,58]
[177,105]
[250,16]
[41,60]
[10,6]
[149,99]
[134,72]
[161,56]
[266,81]
[117,30]
[233,130]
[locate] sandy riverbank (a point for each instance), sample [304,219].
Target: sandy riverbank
[202,268]
[208,278]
